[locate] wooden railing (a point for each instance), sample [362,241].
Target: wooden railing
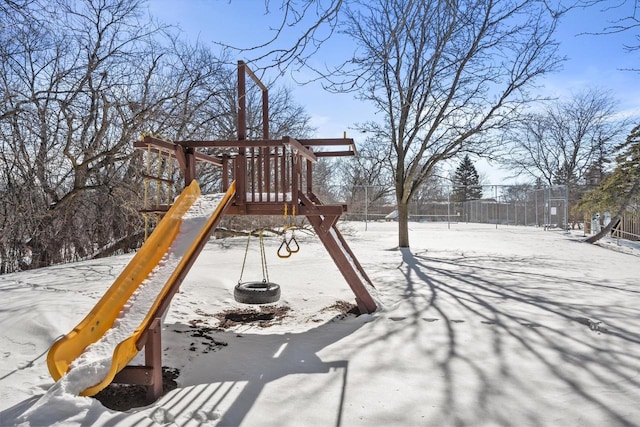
[271,171]
[629,227]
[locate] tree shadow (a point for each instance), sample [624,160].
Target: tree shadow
[222,384]
[529,317]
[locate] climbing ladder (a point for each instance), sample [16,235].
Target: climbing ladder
[158,185]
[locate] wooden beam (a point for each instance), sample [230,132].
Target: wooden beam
[253,76]
[301,149]
[153,359]
[327,222]
[231,143]
[190,170]
[327,141]
[357,264]
[137,375]
[260,143]
[334,153]
[158,146]
[149,375]
[182,160]
[331,142]
[364,300]
[242,101]
[207,158]
[276,208]
[156,209]
[155,143]
[155,178]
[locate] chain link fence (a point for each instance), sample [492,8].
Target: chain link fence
[546,207]
[514,205]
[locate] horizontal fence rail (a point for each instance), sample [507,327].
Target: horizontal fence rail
[546,207]
[496,204]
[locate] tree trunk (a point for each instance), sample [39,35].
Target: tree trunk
[403,224]
[124,245]
[605,230]
[618,217]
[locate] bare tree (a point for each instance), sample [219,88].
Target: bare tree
[567,142]
[309,23]
[444,75]
[433,197]
[561,143]
[79,82]
[64,126]
[366,179]
[624,19]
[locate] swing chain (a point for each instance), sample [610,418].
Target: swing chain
[263,258]
[265,271]
[244,261]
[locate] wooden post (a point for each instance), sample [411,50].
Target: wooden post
[149,375]
[277,166]
[265,113]
[267,172]
[295,184]
[153,359]
[265,152]
[241,161]
[284,168]
[225,172]
[190,170]
[309,177]
[323,226]
[242,102]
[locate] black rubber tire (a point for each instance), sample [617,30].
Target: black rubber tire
[257,292]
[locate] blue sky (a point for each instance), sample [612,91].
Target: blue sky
[592,60]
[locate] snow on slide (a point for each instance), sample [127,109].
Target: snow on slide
[94,363]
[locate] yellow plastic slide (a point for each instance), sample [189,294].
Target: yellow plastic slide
[101,318]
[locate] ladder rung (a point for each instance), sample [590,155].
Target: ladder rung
[155,178]
[156,209]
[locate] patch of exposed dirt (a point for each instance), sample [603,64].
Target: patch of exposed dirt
[265,316]
[344,308]
[122,397]
[205,341]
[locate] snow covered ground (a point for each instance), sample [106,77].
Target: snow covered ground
[479,326]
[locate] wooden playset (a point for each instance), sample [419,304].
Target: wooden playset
[259,177]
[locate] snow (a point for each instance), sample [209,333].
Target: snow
[268,196]
[480,326]
[94,363]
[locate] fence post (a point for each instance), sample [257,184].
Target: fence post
[449,210]
[495,193]
[366,205]
[566,207]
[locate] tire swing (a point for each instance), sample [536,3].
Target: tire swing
[256,292]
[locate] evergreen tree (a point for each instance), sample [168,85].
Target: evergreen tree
[617,190]
[466,182]
[595,174]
